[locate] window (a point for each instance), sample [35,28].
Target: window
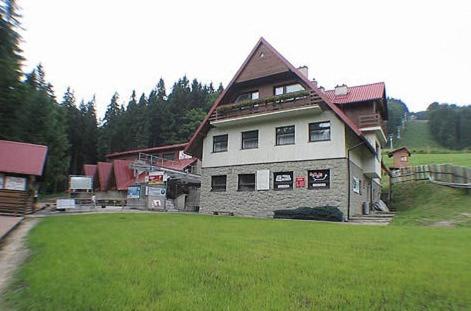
[356,185]
[247,96]
[246,182]
[319,131]
[290,88]
[318,179]
[285,135]
[168,155]
[218,183]
[220,143]
[250,139]
[404,159]
[283,181]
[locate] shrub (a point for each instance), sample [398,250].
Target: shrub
[328,213]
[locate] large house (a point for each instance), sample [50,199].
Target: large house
[274,140]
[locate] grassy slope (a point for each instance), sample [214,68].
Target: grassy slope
[461,159]
[194,262]
[416,136]
[424,203]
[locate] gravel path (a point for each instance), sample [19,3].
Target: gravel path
[13,251]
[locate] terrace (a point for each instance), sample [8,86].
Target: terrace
[268,105]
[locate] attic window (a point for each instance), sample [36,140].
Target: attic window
[290,88]
[262,55]
[247,96]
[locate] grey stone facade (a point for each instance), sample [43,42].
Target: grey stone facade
[263,203]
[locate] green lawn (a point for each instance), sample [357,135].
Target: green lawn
[461,159]
[195,262]
[423,203]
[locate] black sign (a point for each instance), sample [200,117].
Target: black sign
[319,179]
[283,181]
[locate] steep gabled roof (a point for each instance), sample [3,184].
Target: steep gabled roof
[22,158]
[203,128]
[105,171]
[89,170]
[392,152]
[358,93]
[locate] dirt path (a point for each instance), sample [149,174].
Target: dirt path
[13,251]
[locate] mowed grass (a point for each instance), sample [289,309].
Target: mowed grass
[460,159]
[417,136]
[196,262]
[424,203]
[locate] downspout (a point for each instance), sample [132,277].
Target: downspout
[349,177]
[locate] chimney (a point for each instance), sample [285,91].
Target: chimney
[322,89]
[314,82]
[304,71]
[341,90]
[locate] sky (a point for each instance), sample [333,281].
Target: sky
[420,49]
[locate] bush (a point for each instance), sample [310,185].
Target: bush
[328,213]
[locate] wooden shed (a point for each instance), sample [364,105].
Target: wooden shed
[400,157]
[20,165]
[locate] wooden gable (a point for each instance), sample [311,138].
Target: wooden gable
[263,62]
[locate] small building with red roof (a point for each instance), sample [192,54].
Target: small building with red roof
[20,166]
[400,157]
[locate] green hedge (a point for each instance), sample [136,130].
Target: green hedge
[328,213]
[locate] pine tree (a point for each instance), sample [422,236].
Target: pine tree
[10,71]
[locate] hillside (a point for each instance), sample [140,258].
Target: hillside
[417,137]
[423,203]
[460,159]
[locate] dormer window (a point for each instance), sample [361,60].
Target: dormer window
[289,88]
[247,96]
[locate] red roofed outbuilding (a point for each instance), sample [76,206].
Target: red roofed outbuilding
[20,164]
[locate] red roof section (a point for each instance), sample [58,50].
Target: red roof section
[22,158]
[147,150]
[104,175]
[123,174]
[90,170]
[358,93]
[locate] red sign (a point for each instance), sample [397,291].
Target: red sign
[156,178]
[300,182]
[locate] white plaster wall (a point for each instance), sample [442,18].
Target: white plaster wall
[371,163]
[267,151]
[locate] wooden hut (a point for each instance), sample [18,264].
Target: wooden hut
[400,157]
[20,165]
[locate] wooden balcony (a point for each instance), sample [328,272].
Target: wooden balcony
[266,105]
[371,120]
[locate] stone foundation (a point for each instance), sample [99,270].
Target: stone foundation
[263,203]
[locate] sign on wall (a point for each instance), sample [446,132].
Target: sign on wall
[15,183]
[134,192]
[283,181]
[263,180]
[1,181]
[156,178]
[156,191]
[81,182]
[65,203]
[300,182]
[319,179]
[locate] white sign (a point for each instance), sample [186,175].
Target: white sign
[182,155]
[1,181]
[65,203]
[81,182]
[15,183]
[263,180]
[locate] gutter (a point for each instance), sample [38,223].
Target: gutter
[349,176]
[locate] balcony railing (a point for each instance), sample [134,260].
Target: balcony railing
[265,105]
[371,120]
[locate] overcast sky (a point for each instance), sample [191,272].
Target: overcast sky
[420,49]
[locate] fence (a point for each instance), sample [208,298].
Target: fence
[441,174]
